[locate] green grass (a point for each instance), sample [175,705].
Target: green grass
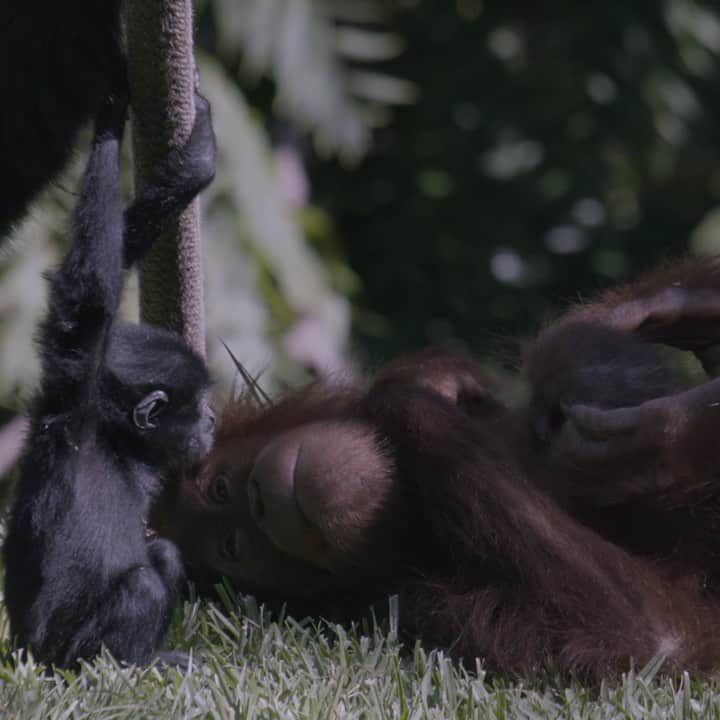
[247,665]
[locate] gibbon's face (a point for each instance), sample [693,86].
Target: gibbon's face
[181,428]
[159,389]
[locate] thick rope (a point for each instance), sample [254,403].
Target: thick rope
[161,69]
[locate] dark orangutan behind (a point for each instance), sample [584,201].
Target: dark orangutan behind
[577,530]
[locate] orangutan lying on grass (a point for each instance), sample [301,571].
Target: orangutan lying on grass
[581,529]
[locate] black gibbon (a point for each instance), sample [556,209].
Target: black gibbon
[118,404]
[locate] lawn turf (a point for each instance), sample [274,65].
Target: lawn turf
[248,665]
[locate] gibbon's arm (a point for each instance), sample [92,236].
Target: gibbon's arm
[85,290]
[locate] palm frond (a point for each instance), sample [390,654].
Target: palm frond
[262,275]
[323,57]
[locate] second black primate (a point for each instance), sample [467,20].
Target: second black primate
[57,61]
[118,404]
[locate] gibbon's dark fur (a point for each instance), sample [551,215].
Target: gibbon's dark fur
[57,61]
[579,530]
[118,404]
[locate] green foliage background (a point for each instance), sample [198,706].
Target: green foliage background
[554,148]
[393,174]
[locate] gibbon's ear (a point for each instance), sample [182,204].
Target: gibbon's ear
[149,409]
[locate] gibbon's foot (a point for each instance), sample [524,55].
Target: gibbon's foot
[174,660]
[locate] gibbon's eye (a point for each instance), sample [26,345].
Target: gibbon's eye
[147,411]
[228,547]
[219,489]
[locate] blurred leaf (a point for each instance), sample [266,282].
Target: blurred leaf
[367,46]
[249,231]
[23,304]
[300,46]
[705,238]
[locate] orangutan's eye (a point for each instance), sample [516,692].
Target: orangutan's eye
[219,490]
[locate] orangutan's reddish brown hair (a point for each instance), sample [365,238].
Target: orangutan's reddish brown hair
[579,529]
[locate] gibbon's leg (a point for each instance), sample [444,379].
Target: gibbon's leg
[131,619]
